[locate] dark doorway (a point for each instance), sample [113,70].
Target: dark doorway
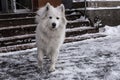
[0,6]
[15,5]
[22,4]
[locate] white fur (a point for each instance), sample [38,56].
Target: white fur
[49,39]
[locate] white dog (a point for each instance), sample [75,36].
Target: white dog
[50,32]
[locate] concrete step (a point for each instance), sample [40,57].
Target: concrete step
[71,11]
[17,21]
[73,16]
[78,4]
[17,30]
[15,40]
[16,15]
[80,31]
[73,24]
[17,47]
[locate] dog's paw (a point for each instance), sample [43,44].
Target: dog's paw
[52,69]
[40,67]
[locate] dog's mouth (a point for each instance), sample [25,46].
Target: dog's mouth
[53,29]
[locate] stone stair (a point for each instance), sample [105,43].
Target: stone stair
[17,31]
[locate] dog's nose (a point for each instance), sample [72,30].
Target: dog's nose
[53,25]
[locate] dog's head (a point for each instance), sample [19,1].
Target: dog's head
[54,17]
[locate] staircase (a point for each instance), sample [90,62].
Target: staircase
[17,31]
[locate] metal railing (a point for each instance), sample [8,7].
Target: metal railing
[24,7]
[13,6]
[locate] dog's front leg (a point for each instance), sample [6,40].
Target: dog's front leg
[40,59]
[53,57]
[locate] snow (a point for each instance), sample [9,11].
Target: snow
[102,8]
[81,19]
[113,31]
[98,8]
[92,59]
[78,0]
[78,29]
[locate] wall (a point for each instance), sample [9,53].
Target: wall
[107,11]
[103,3]
[108,16]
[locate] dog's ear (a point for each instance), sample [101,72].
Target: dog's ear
[42,12]
[48,6]
[61,8]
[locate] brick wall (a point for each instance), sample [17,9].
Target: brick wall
[52,2]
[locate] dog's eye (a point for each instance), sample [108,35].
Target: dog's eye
[50,17]
[57,18]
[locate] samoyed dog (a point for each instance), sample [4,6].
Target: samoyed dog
[50,33]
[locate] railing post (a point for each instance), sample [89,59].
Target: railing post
[85,8]
[32,7]
[14,5]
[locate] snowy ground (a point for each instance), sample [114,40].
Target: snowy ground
[93,59]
